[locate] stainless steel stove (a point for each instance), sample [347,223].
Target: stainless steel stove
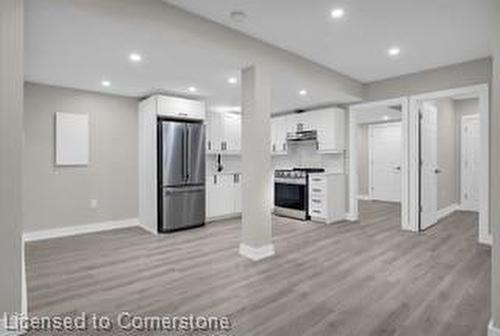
[291,192]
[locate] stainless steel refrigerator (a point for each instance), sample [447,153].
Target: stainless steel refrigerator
[181,175]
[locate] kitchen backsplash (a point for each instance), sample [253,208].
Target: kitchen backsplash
[300,155]
[305,155]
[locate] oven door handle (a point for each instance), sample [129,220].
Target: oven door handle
[290,181]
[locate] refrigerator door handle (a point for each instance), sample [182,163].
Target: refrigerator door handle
[188,153]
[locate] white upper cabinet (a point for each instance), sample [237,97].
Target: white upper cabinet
[329,123]
[278,135]
[181,108]
[223,133]
[232,132]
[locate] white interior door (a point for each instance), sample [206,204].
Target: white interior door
[470,156]
[428,168]
[385,162]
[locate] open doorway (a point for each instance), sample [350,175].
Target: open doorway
[379,157]
[453,152]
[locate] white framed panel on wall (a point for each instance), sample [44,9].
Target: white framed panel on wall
[72,139]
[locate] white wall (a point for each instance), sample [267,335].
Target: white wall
[453,76]
[57,197]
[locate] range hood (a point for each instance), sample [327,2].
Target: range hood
[309,135]
[302,135]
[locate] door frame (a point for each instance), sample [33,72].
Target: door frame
[407,223]
[370,154]
[482,92]
[473,117]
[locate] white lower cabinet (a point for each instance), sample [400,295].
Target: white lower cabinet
[327,197]
[223,196]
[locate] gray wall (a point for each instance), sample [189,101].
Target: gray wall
[11,122]
[60,197]
[495,175]
[363,161]
[459,75]
[448,158]
[465,107]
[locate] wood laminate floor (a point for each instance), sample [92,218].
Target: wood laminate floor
[365,278]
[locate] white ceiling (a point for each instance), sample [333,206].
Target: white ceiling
[79,43]
[431,33]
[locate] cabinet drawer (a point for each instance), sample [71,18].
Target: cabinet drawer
[317,213]
[317,180]
[317,190]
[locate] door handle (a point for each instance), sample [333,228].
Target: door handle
[437,171]
[188,155]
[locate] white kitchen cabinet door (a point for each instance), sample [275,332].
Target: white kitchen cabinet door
[220,198]
[330,124]
[237,193]
[231,132]
[214,132]
[290,122]
[180,108]
[278,135]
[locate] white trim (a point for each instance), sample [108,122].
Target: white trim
[148,229]
[444,212]
[408,221]
[256,253]
[482,92]
[465,204]
[492,330]
[223,217]
[24,285]
[364,197]
[352,217]
[80,229]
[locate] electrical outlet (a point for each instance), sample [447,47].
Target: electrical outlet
[94,204]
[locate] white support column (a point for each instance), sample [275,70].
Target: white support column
[256,240]
[494,328]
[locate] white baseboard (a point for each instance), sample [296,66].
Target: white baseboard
[257,253]
[364,197]
[351,217]
[492,330]
[442,213]
[224,217]
[486,240]
[80,229]
[149,229]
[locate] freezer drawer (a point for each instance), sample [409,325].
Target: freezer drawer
[181,208]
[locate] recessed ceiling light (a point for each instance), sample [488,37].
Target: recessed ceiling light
[192,89]
[338,13]
[134,57]
[232,80]
[303,92]
[238,16]
[394,51]
[106,83]
[386,118]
